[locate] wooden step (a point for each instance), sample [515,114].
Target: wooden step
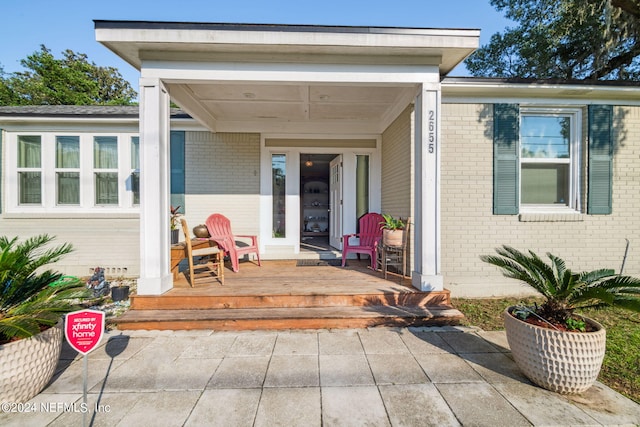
[281,295]
[288,318]
[299,300]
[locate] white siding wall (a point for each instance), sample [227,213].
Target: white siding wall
[107,241]
[110,241]
[222,175]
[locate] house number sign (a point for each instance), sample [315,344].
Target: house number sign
[431,121]
[431,109]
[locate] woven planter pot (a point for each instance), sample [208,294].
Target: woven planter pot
[563,362]
[27,365]
[392,237]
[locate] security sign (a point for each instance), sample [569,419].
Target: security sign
[83,329]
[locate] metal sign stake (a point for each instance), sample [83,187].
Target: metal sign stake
[85,364]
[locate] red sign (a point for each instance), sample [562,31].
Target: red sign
[84,329]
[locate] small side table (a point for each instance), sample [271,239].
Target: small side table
[394,256]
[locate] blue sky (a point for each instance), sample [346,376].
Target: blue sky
[68,24]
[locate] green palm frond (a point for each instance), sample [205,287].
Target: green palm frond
[19,327]
[563,289]
[31,297]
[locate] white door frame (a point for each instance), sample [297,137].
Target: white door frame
[273,248]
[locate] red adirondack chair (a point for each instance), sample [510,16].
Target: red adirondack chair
[369,235]
[219,228]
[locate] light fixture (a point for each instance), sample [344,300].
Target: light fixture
[308,163]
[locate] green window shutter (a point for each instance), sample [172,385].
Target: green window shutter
[600,159]
[506,164]
[177,162]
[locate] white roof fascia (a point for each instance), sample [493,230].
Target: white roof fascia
[455,91]
[198,72]
[85,124]
[391,38]
[132,41]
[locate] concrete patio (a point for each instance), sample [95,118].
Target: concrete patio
[442,376]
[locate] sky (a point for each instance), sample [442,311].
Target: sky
[68,24]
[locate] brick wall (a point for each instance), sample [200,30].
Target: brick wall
[469,228]
[398,170]
[223,176]
[397,167]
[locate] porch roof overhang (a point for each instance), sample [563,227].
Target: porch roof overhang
[257,77]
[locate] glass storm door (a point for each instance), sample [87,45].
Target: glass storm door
[335,202]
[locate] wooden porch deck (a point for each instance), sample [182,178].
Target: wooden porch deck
[281,295]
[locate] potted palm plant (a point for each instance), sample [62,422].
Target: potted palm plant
[33,302]
[553,346]
[392,230]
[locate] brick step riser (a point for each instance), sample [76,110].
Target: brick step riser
[288,301]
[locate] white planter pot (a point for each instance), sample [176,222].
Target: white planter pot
[563,362]
[27,365]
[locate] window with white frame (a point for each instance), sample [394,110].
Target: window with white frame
[71,172]
[105,164]
[68,170]
[29,170]
[549,159]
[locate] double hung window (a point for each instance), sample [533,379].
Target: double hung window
[105,164]
[68,170]
[549,159]
[538,161]
[30,170]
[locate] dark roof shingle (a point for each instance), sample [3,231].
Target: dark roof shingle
[95,111]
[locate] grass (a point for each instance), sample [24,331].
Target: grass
[621,366]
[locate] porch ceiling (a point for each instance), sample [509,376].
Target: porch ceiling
[258,77]
[300,107]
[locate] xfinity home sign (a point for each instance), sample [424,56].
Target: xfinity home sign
[84,329]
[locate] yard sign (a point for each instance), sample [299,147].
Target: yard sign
[83,329]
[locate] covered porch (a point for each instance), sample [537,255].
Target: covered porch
[289,91]
[283,295]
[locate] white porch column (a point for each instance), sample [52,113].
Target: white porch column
[427,275]
[155,240]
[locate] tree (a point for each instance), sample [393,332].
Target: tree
[565,39]
[71,80]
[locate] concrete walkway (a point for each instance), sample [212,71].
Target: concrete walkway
[374,377]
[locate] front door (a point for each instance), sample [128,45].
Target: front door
[335,202]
